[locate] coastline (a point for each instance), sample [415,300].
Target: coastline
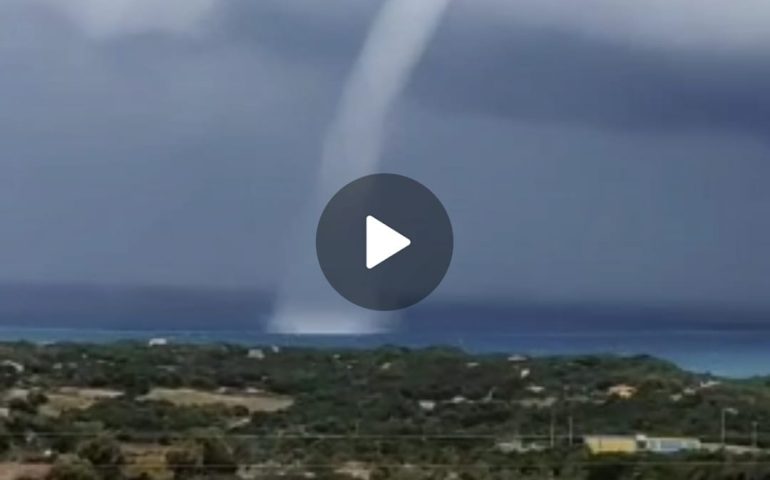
[735,354]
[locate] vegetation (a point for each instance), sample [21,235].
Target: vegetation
[131,411]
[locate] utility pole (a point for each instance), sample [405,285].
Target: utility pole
[552,432]
[723,424]
[570,430]
[754,434]
[722,433]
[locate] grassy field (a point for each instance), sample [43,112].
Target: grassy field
[16,471]
[71,398]
[254,402]
[147,459]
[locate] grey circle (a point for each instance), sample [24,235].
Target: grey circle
[404,205]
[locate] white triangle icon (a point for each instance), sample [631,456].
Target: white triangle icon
[382,242]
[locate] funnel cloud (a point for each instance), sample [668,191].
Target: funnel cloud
[352,148]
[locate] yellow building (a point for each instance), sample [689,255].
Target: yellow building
[598,444]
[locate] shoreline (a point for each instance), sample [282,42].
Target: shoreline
[735,354]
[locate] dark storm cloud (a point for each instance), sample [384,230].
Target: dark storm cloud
[150,158]
[164,158]
[326,36]
[482,65]
[526,74]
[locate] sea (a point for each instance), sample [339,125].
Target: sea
[730,353]
[704,338]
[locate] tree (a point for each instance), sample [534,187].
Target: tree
[185,461]
[72,469]
[217,455]
[5,440]
[22,405]
[105,454]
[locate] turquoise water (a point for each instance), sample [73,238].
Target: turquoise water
[730,353]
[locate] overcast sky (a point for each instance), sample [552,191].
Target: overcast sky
[588,150]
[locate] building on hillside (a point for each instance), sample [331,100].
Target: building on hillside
[517,358]
[517,445]
[15,366]
[256,354]
[621,391]
[670,444]
[535,389]
[601,444]
[427,405]
[711,383]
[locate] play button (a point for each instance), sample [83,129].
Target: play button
[384,242]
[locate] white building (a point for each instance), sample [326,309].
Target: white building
[18,367]
[256,354]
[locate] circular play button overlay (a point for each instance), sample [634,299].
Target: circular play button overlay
[384,242]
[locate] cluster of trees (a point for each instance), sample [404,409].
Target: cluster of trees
[204,456]
[99,458]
